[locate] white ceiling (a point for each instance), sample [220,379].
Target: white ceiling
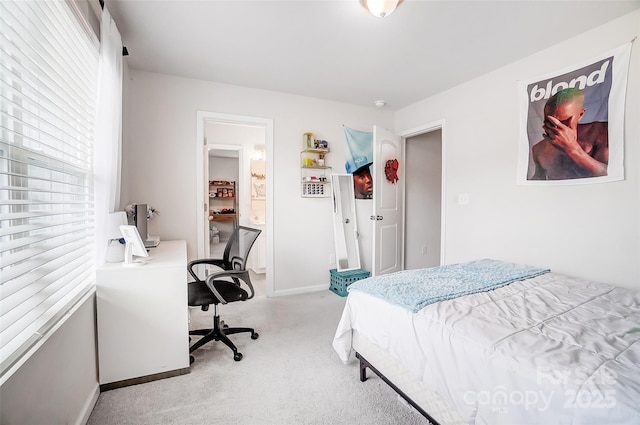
[336,50]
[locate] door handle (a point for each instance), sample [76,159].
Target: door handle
[376,217]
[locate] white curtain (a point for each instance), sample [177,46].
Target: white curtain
[108,130]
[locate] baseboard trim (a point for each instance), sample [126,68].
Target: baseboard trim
[144,379]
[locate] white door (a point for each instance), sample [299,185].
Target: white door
[388,204]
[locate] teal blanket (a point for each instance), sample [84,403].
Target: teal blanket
[416,289]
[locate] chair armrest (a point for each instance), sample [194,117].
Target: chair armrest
[242,275]
[213,261]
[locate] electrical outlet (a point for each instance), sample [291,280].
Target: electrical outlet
[332,258]
[424,250]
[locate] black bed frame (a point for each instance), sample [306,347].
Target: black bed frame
[364,364]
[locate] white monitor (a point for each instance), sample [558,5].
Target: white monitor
[134,244]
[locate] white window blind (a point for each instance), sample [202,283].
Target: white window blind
[48,74]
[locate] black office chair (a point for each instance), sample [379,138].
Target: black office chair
[222,287]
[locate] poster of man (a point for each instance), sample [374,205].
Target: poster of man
[359,152]
[572,123]
[569,150]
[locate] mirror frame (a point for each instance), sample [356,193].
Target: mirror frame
[345,239]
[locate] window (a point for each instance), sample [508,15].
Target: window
[48,75]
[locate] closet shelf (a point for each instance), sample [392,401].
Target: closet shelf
[222,216]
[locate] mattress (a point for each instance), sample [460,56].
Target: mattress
[551,349]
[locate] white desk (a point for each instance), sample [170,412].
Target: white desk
[143,319]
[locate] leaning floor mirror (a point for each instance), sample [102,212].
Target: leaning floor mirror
[345,229]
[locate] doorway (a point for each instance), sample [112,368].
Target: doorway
[224,134]
[424,196]
[225,168]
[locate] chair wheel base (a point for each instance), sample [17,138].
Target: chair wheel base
[220,333]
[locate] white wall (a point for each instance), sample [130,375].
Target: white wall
[592,231]
[58,384]
[159,151]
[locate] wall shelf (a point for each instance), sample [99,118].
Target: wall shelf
[314,175]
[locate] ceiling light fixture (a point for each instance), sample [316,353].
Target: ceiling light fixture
[379,103]
[380,8]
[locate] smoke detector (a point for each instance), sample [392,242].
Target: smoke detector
[379,103]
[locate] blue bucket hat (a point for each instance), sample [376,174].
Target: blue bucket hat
[356,164]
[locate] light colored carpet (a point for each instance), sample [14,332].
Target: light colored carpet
[290,375]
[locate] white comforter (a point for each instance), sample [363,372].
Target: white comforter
[547,350]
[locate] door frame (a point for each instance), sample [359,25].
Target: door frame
[416,131]
[202,118]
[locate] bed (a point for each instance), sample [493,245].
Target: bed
[537,348]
